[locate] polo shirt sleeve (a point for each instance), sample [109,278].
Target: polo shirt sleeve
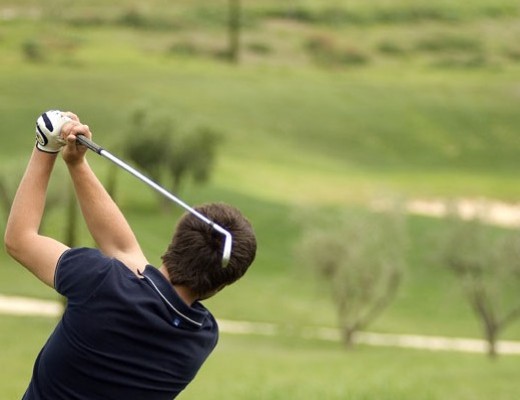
[79,272]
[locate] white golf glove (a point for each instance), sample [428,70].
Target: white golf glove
[48,131]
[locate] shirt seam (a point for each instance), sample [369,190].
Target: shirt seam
[199,324]
[58,264]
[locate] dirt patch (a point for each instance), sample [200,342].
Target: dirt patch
[492,212]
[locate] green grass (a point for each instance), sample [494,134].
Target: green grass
[22,339]
[425,120]
[292,137]
[320,134]
[258,368]
[254,368]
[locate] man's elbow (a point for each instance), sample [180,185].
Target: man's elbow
[12,244]
[9,244]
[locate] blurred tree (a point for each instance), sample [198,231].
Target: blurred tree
[361,258]
[194,155]
[111,180]
[234,25]
[148,142]
[487,264]
[165,151]
[33,50]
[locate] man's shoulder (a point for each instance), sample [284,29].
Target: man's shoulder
[80,269]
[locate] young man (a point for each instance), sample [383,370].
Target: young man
[129,331]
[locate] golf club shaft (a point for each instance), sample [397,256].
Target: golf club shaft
[104,153]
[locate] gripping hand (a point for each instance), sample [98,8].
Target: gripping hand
[48,131]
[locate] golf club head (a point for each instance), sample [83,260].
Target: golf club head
[228,242]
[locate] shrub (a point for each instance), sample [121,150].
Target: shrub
[390,48]
[259,48]
[462,61]
[133,18]
[184,49]
[33,50]
[513,54]
[325,51]
[449,43]
[353,55]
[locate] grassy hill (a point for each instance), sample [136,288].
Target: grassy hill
[295,132]
[331,106]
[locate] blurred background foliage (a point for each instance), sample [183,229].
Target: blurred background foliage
[310,109]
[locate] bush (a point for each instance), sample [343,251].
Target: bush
[134,18]
[513,54]
[462,61]
[184,49]
[353,55]
[449,43]
[33,50]
[390,48]
[414,14]
[325,51]
[259,48]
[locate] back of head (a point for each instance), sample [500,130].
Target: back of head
[194,256]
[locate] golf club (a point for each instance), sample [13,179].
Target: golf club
[226,253]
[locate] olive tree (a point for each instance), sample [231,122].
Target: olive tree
[192,155]
[361,258]
[170,153]
[486,262]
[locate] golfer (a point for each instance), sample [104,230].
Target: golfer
[129,330]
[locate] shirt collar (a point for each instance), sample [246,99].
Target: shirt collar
[163,287]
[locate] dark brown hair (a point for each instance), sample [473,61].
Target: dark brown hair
[194,256]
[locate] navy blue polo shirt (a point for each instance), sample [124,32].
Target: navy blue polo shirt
[121,336]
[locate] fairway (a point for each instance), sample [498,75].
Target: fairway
[255,367]
[428,111]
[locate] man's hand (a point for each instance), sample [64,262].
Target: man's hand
[74,152]
[48,130]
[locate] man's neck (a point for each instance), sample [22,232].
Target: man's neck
[184,293]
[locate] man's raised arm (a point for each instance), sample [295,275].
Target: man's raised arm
[22,238]
[104,219]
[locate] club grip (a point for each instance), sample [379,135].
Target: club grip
[89,143]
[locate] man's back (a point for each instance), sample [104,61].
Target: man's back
[121,336]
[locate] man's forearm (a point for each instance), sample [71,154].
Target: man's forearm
[105,221]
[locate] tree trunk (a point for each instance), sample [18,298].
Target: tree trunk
[111,184]
[234,30]
[491,337]
[177,178]
[347,334]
